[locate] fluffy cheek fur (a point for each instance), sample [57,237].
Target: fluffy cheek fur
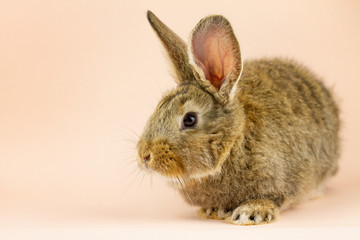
[196,155]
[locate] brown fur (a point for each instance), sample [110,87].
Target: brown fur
[269,145]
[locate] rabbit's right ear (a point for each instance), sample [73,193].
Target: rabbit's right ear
[176,48]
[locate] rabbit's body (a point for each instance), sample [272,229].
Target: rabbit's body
[239,140]
[272,159]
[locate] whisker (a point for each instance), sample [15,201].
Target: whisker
[151,181]
[130,140]
[134,134]
[149,106]
[125,155]
[192,203]
[123,149]
[141,181]
[182,186]
[132,182]
[133,169]
[129,162]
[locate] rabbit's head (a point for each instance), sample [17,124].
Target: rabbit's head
[194,126]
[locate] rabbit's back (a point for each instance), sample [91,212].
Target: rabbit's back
[292,118]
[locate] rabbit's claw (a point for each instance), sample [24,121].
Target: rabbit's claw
[254,212]
[214,213]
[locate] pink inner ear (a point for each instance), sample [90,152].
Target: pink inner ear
[213,54]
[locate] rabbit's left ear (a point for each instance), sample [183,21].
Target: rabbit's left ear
[214,53]
[175,47]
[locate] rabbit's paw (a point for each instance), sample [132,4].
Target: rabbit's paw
[254,212]
[213,213]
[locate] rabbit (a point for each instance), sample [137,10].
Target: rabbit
[242,140]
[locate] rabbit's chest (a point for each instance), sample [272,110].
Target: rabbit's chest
[213,192]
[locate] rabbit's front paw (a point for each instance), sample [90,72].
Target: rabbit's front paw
[254,212]
[213,213]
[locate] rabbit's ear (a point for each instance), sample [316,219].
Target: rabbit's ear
[176,48]
[214,53]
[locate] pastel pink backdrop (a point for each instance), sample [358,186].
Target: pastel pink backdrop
[78,80]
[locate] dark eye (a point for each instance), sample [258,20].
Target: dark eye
[189,120]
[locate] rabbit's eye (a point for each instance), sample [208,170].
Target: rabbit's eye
[189,120]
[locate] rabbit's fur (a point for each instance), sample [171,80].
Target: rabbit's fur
[263,141]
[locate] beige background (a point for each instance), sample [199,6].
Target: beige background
[78,80]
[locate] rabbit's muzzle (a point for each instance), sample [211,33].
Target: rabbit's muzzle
[159,156]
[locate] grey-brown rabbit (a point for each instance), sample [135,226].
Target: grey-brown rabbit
[240,140]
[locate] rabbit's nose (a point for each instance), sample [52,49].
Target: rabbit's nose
[146,158]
